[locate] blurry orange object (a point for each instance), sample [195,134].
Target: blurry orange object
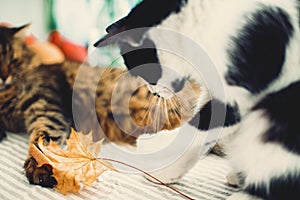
[49,53]
[71,50]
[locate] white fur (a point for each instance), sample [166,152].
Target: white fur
[242,196]
[260,161]
[197,149]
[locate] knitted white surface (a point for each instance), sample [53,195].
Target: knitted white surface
[206,181]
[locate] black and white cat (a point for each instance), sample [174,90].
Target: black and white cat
[255,45]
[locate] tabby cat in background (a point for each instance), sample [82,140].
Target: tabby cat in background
[37,99]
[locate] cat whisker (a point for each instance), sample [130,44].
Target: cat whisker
[157,116]
[153,112]
[174,104]
[149,104]
[166,113]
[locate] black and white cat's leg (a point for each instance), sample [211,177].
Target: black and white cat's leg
[237,179]
[186,159]
[217,114]
[261,141]
[267,148]
[252,160]
[206,127]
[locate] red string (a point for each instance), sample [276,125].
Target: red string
[146,173]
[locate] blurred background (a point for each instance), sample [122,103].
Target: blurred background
[80,21]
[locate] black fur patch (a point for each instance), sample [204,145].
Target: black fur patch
[146,14]
[203,120]
[259,49]
[286,187]
[146,55]
[282,108]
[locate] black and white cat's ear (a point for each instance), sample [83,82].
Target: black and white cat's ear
[18,30]
[121,32]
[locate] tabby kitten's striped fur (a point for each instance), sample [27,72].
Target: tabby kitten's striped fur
[37,99]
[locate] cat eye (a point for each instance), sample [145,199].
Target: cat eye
[5,50]
[9,80]
[13,61]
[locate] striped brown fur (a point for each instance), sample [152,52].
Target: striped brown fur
[38,100]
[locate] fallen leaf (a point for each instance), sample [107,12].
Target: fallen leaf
[78,163]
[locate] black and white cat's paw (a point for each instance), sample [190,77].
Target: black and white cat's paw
[235,179]
[185,161]
[174,172]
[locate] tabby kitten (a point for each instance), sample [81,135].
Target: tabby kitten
[255,47]
[38,99]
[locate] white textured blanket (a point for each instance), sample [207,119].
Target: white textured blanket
[205,181]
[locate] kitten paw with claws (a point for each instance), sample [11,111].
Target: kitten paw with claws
[39,175]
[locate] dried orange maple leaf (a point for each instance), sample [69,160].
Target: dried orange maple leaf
[78,163]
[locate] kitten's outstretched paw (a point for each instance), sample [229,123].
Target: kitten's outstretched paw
[39,175]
